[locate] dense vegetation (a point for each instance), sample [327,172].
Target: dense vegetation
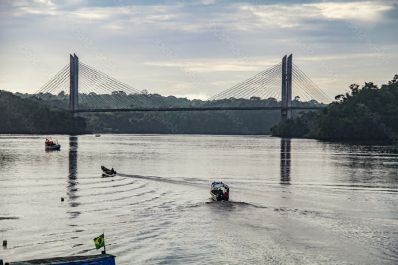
[210,122]
[22,115]
[366,113]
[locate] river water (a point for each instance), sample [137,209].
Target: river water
[292,201]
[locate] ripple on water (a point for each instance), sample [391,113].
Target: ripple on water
[339,206]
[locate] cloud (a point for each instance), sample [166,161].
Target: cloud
[217,65]
[92,14]
[360,11]
[37,7]
[304,15]
[207,45]
[207,15]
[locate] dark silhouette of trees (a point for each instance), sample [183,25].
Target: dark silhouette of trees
[365,113]
[54,108]
[23,115]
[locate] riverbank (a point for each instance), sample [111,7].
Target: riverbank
[367,113]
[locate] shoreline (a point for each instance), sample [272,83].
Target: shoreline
[346,141]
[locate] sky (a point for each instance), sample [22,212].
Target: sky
[196,49]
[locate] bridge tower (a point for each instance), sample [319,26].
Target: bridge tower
[287,62]
[73,82]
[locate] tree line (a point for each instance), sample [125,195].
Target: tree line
[365,113]
[26,116]
[209,122]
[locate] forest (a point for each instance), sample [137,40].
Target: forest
[26,116]
[365,113]
[204,122]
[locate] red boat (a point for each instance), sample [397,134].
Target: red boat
[50,145]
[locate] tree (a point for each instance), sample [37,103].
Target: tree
[367,113]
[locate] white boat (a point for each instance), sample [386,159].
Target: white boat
[51,145]
[219,191]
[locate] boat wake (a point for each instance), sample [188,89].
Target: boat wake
[190,182]
[228,204]
[8,217]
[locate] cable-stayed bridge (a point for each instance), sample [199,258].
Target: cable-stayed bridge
[90,90]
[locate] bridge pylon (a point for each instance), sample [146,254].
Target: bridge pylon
[73,83]
[287,63]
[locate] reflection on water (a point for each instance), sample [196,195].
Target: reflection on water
[157,210]
[285,161]
[72,184]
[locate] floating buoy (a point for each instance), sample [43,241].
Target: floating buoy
[62,199]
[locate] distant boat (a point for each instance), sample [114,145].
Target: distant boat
[219,191]
[102,259]
[51,145]
[108,172]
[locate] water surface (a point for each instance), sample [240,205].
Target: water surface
[292,201]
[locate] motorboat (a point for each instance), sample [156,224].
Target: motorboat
[51,145]
[219,191]
[108,172]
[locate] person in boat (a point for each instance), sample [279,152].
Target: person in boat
[108,171]
[226,194]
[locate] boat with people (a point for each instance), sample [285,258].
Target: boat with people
[108,172]
[51,145]
[219,191]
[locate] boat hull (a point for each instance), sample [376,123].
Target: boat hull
[103,259]
[108,172]
[56,147]
[218,196]
[105,175]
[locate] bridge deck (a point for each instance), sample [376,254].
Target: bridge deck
[196,109]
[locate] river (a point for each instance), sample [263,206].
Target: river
[292,201]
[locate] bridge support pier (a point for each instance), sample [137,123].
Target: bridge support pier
[287,63]
[73,83]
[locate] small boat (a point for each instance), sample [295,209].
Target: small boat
[108,172]
[50,145]
[219,191]
[104,259]
[98,135]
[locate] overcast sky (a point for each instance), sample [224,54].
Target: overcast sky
[196,49]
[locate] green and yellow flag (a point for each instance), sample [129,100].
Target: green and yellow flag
[99,241]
